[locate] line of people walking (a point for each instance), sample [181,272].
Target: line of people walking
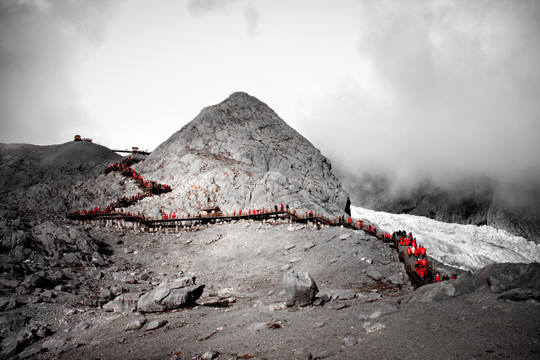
[412,250]
[148,186]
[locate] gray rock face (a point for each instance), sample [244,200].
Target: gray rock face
[498,277]
[240,154]
[433,292]
[520,294]
[170,295]
[123,303]
[300,288]
[506,276]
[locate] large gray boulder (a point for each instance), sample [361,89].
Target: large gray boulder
[300,288]
[433,292]
[171,295]
[123,303]
[506,276]
[499,278]
[520,294]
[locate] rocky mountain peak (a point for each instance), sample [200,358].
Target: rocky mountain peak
[241,154]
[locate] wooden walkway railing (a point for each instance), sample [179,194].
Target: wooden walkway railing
[192,222]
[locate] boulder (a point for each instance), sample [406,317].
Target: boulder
[520,294]
[135,324]
[123,303]
[396,280]
[500,278]
[375,275]
[346,295]
[156,324]
[171,295]
[300,288]
[509,276]
[371,328]
[433,292]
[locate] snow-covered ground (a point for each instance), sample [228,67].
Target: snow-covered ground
[467,247]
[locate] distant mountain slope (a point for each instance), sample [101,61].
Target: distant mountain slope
[240,154]
[39,179]
[467,247]
[512,206]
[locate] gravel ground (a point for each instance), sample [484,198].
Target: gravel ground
[246,262]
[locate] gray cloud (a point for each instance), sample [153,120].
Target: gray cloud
[39,43]
[457,92]
[250,12]
[199,7]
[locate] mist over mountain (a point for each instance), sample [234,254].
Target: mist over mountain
[509,204]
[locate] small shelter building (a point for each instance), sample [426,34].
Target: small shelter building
[212,210]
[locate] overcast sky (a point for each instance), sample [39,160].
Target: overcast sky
[441,87]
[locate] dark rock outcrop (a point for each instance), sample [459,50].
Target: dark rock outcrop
[498,278]
[520,294]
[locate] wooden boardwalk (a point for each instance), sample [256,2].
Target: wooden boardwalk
[171,222]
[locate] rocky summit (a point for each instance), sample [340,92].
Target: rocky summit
[240,154]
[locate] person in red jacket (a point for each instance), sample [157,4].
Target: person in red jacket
[437,278]
[409,251]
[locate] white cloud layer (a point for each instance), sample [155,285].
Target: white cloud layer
[443,88]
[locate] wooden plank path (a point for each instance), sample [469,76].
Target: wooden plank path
[202,219]
[191,222]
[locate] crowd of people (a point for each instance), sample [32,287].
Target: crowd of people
[413,251]
[148,186]
[418,253]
